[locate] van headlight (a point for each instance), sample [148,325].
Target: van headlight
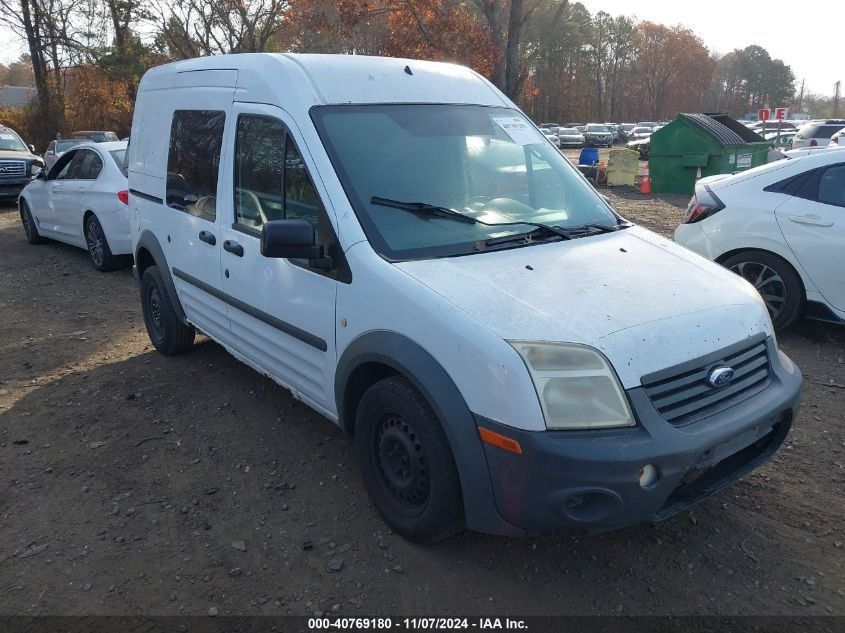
[577,387]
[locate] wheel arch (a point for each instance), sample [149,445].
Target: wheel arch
[148,252]
[378,354]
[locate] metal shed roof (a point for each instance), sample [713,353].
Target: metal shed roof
[723,128]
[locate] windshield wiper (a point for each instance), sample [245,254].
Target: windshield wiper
[423,208]
[601,228]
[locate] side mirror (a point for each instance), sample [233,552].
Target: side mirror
[41,175]
[32,148]
[289,239]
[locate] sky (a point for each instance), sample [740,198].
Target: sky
[805,40]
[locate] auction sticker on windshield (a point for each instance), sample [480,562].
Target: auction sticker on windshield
[519,131]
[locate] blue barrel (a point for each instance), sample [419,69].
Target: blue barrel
[589,156]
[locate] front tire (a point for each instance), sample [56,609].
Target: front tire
[98,246]
[29,227]
[775,280]
[406,462]
[168,334]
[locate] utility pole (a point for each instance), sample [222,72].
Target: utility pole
[836,98]
[801,97]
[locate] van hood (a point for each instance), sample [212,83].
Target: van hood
[644,301]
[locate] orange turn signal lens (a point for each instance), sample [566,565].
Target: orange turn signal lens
[497,439]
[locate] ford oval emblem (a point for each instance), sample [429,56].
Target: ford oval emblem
[720,377]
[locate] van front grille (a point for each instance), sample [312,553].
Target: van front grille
[12,168]
[688,396]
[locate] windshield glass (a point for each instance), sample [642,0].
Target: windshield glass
[63,146]
[488,163]
[597,128]
[11,142]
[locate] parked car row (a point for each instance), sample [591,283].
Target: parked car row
[798,134]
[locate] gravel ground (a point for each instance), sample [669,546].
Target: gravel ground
[133,483]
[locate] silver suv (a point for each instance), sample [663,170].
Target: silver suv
[18,163]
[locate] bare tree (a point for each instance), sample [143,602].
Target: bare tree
[509,73]
[191,28]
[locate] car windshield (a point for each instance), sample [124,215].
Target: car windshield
[568,130]
[597,128]
[641,130]
[11,142]
[63,146]
[488,163]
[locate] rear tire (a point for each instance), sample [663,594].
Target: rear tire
[29,227]
[775,280]
[168,334]
[406,462]
[98,246]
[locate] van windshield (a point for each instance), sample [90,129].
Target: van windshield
[488,163]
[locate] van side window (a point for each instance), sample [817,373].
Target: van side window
[259,171]
[196,138]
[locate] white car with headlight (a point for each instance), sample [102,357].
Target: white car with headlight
[399,246]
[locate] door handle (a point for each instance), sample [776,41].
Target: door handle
[815,220]
[208,238]
[233,247]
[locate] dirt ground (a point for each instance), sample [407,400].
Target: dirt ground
[133,483]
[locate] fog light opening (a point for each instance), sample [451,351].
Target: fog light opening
[648,476]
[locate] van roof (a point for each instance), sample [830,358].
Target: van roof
[328,79]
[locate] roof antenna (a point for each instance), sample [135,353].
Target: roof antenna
[408,70]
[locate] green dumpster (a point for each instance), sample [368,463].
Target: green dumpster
[715,143]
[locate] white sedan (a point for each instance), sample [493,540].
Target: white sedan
[781,227]
[83,200]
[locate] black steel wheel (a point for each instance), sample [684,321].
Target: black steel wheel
[167,333]
[407,463]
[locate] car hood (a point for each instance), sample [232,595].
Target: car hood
[644,301]
[9,155]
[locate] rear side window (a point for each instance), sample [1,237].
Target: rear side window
[91,166]
[832,186]
[196,137]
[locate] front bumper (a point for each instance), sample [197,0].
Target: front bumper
[12,187]
[587,481]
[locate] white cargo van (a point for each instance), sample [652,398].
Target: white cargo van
[399,246]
